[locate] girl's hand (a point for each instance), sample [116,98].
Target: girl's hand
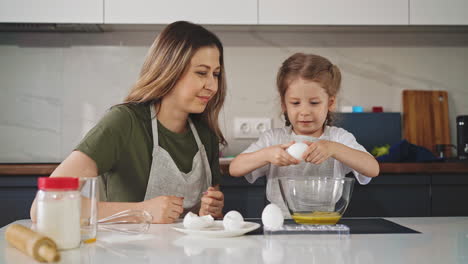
[212,203]
[318,151]
[164,209]
[278,156]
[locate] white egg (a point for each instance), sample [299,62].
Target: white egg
[297,149]
[233,220]
[193,221]
[208,219]
[272,217]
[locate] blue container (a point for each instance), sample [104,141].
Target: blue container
[358,109]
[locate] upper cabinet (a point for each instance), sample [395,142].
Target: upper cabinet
[238,12]
[438,12]
[226,12]
[51,11]
[333,12]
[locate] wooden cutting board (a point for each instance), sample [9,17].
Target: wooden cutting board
[426,118]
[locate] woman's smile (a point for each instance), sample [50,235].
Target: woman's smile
[204,99]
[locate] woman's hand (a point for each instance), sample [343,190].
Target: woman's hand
[318,151]
[164,209]
[212,203]
[277,155]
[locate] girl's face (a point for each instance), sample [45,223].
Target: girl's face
[198,84]
[307,105]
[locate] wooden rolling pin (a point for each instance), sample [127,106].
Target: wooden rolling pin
[40,247]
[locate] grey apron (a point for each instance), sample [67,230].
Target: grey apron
[166,179]
[325,169]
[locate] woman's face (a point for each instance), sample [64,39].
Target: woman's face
[307,105]
[198,84]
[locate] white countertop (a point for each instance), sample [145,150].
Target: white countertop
[442,240]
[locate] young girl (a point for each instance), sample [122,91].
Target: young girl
[158,151]
[308,85]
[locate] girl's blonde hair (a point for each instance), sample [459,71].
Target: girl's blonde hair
[168,59]
[312,68]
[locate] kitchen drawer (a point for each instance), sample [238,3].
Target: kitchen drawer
[227,180]
[401,179]
[18,181]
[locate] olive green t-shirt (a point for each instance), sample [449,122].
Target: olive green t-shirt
[121,144]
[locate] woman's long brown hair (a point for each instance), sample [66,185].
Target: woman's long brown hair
[167,60]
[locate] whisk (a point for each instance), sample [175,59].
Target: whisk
[127,222]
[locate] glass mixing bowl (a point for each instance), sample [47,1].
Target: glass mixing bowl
[316,200]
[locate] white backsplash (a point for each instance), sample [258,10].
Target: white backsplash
[55,86]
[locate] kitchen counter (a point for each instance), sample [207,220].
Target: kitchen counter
[390,168]
[442,240]
[423,189]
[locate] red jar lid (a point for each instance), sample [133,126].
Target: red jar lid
[57,183]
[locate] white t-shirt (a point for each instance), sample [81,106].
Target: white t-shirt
[329,168]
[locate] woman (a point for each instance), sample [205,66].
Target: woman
[158,151]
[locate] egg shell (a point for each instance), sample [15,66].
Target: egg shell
[272,217]
[208,219]
[297,149]
[233,220]
[195,222]
[188,217]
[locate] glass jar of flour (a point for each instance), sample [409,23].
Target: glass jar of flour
[58,210]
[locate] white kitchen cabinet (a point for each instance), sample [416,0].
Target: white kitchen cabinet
[333,12]
[163,11]
[438,12]
[51,11]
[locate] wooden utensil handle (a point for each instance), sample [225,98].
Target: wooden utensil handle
[40,247]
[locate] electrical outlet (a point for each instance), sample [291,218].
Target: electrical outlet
[250,127]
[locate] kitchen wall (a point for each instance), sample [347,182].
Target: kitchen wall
[55,86]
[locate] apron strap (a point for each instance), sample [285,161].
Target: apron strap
[195,133]
[154,127]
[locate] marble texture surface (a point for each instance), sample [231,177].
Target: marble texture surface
[55,86]
[442,240]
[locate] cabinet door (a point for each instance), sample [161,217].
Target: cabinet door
[16,196]
[449,195]
[439,12]
[248,199]
[334,12]
[51,11]
[165,12]
[392,195]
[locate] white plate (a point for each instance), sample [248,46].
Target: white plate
[217,230]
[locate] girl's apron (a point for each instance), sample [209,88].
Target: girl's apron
[304,169]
